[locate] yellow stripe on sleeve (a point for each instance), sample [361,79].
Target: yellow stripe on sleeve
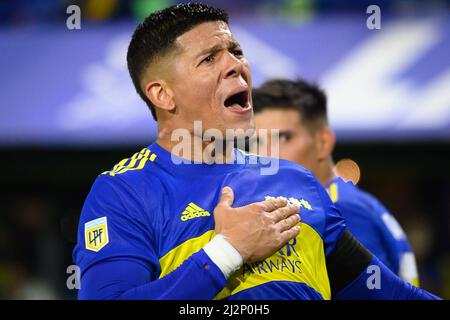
[136,162]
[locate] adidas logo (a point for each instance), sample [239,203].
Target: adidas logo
[193,211]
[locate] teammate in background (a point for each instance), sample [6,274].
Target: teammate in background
[169,225]
[299,110]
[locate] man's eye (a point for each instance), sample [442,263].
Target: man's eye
[208,59]
[238,53]
[285,137]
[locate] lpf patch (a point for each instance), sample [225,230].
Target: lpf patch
[96,234]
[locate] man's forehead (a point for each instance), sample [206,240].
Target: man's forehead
[205,35]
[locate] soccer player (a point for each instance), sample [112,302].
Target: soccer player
[298,110]
[165,224]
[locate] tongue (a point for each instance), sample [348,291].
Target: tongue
[235,107]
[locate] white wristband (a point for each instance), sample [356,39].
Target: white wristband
[224,255]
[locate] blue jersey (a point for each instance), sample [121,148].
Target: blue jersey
[372,224]
[157,213]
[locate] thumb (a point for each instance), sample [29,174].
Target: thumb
[227,197]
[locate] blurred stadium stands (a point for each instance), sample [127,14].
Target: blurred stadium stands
[68,112]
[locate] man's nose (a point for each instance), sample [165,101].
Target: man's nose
[234,66]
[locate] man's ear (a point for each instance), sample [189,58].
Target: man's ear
[326,141]
[159,93]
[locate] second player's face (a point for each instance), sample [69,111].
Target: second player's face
[296,142]
[212,80]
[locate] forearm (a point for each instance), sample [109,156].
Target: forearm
[197,278]
[201,276]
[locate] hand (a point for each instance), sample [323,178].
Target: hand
[256,230]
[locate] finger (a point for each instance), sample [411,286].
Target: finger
[288,223]
[227,197]
[284,212]
[272,204]
[289,234]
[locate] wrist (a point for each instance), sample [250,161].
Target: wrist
[224,255]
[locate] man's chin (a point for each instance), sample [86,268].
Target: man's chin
[240,136]
[243,124]
[240,131]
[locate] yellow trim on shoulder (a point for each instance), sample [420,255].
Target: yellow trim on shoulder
[133,160]
[301,260]
[136,162]
[333,192]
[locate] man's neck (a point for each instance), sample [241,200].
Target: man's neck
[193,148]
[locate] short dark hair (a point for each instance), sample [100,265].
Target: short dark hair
[306,98]
[156,36]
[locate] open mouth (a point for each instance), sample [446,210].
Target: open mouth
[238,100]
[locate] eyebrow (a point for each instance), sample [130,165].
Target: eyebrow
[218,47]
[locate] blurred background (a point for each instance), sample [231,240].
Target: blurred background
[68,112]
